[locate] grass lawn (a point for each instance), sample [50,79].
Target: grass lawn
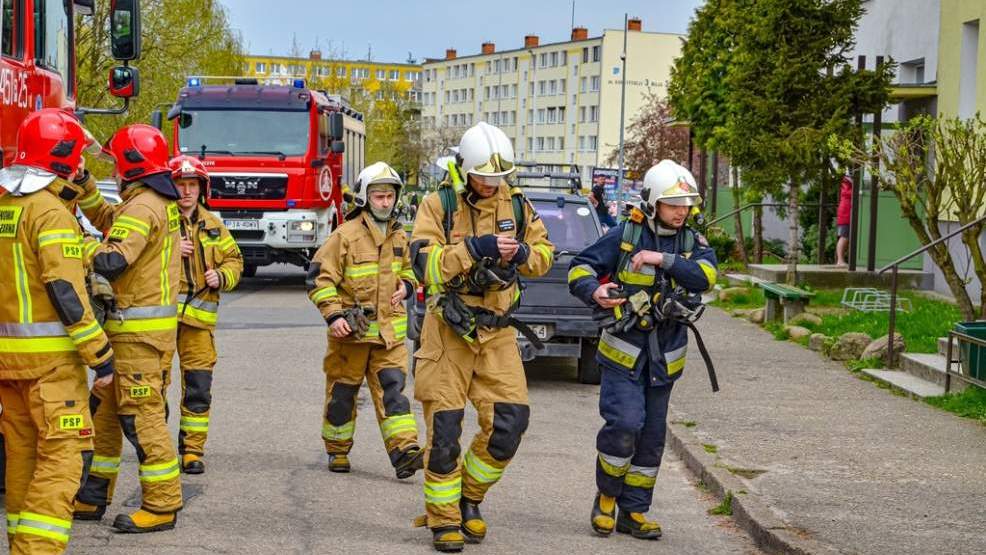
[921,327]
[971,403]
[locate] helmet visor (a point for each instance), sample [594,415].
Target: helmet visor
[691,200]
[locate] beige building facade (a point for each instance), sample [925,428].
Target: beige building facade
[559,103]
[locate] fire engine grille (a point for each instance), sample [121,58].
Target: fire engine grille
[248,186]
[248,234]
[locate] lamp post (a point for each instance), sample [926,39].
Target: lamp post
[623,99]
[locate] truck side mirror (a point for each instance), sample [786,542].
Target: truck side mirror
[124,82]
[125,29]
[157,119]
[338,147]
[335,126]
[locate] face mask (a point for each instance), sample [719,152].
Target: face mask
[381,215]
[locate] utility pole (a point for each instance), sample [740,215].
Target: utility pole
[534,104]
[623,103]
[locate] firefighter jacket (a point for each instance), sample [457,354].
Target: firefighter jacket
[84,194]
[141,257]
[214,249]
[45,316]
[688,262]
[360,266]
[447,259]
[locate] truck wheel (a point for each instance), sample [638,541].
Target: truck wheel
[589,372]
[249,270]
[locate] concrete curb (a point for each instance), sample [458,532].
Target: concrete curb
[750,510]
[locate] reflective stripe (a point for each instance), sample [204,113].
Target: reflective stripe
[91,200]
[229,278]
[373,330]
[144,312]
[44,526]
[194,424]
[675,360]
[12,523]
[159,472]
[20,283]
[129,222]
[581,271]
[362,270]
[105,465]
[36,345]
[37,329]
[710,272]
[433,274]
[202,304]
[395,266]
[89,247]
[399,324]
[326,292]
[139,326]
[545,252]
[478,469]
[618,350]
[86,333]
[614,466]
[398,424]
[58,236]
[165,278]
[443,493]
[339,433]
[202,315]
[641,476]
[645,276]
[409,276]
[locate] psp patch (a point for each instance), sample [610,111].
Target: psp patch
[70,422]
[174,217]
[72,251]
[505,225]
[140,391]
[10,216]
[118,233]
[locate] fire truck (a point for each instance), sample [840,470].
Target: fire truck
[278,156]
[37,66]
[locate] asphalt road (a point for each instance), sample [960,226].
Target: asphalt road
[267,489]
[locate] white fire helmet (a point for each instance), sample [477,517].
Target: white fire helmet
[378,173]
[669,183]
[486,151]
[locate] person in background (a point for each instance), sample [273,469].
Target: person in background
[842,218]
[598,199]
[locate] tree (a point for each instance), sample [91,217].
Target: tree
[392,128]
[653,136]
[179,38]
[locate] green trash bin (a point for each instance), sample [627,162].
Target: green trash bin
[973,356]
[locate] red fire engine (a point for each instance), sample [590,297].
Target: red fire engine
[37,66]
[278,156]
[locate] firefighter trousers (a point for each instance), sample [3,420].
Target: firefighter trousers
[631,442]
[133,407]
[48,433]
[385,370]
[450,372]
[196,359]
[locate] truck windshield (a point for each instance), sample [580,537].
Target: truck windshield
[246,132]
[570,228]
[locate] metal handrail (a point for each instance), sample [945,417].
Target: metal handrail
[962,337]
[895,266]
[755,205]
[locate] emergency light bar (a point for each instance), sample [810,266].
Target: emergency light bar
[296,81]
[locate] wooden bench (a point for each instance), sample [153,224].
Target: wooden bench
[783,301]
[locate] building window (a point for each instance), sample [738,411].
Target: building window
[260,67]
[596,51]
[552,115]
[513,91]
[395,74]
[530,88]
[542,87]
[561,143]
[593,113]
[513,117]
[553,87]
[582,114]
[541,115]
[530,116]
[594,83]
[969,69]
[341,71]
[585,55]
[505,91]
[592,142]
[581,143]
[471,95]
[381,74]
[551,143]
[530,141]
[561,114]
[515,64]
[562,86]
[564,58]
[582,84]
[472,70]
[496,66]
[539,144]
[544,60]
[554,59]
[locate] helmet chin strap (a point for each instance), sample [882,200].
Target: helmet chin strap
[660,228]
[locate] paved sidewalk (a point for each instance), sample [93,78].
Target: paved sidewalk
[844,463]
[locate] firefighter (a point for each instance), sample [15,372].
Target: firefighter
[359,280]
[644,259]
[47,336]
[471,242]
[211,263]
[141,257]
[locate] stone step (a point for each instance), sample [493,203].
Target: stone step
[907,383]
[736,279]
[928,367]
[837,277]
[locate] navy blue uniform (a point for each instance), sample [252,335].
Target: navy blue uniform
[636,382]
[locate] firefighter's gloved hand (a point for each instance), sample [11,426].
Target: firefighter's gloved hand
[457,315]
[105,369]
[102,296]
[357,320]
[522,254]
[483,246]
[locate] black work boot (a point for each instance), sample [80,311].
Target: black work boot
[85,511]
[409,462]
[637,525]
[603,516]
[339,463]
[447,539]
[473,525]
[192,464]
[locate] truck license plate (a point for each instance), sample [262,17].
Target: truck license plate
[540,330]
[242,224]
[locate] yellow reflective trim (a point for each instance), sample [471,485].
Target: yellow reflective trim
[159,472]
[639,480]
[90,247]
[130,222]
[443,493]
[24,308]
[121,230]
[326,292]
[635,278]
[44,526]
[194,423]
[433,276]
[401,423]
[165,278]
[57,237]
[579,272]
[711,274]
[203,316]
[91,200]
[614,354]
[339,433]
[137,326]
[478,469]
[545,252]
[36,344]
[373,330]
[362,270]
[105,465]
[611,469]
[86,333]
[395,266]
[675,366]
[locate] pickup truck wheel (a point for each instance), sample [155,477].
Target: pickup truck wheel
[589,372]
[249,270]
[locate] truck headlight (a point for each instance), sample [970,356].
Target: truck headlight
[301,231]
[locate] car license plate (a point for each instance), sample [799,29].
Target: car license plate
[540,330]
[242,224]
